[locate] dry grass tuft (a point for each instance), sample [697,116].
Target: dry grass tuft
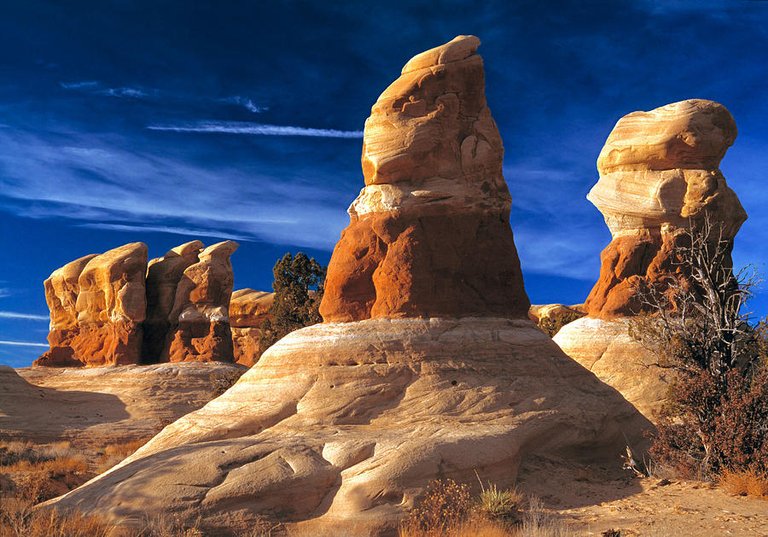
[116,453]
[745,483]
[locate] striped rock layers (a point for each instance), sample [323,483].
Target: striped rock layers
[429,234]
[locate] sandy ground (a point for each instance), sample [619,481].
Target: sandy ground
[592,500]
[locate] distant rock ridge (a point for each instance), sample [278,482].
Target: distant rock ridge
[116,309]
[658,175]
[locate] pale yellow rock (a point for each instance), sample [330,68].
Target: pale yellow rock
[430,142]
[607,350]
[112,286]
[660,168]
[342,426]
[61,290]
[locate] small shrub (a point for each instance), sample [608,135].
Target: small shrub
[446,505]
[745,483]
[115,453]
[501,504]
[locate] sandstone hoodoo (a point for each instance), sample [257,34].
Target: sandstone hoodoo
[105,325]
[658,175]
[200,315]
[341,425]
[658,171]
[163,277]
[248,310]
[429,234]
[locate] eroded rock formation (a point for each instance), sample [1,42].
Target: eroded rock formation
[658,171]
[429,234]
[341,425]
[115,309]
[163,277]
[658,175]
[248,310]
[105,326]
[200,315]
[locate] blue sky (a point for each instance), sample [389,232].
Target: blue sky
[168,120]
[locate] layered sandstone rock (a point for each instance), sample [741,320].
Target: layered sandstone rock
[163,277]
[429,234]
[95,407]
[658,175]
[340,426]
[658,172]
[248,310]
[109,309]
[200,315]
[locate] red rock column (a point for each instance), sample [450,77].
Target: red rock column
[163,276]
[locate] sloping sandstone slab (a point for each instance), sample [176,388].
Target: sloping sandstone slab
[342,425]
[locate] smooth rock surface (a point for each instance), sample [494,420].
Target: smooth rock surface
[200,315]
[608,351]
[95,407]
[429,233]
[343,425]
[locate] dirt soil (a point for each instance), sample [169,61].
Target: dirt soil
[592,500]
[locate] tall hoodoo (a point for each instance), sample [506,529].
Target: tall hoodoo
[200,315]
[658,175]
[658,172]
[429,234]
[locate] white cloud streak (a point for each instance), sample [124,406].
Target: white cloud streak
[246,103]
[22,343]
[192,232]
[85,84]
[98,182]
[234,127]
[25,316]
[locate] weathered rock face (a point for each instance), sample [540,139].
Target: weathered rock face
[109,308]
[658,171]
[95,407]
[163,276]
[429,234]
[200,315]
[340,426]
[248,310]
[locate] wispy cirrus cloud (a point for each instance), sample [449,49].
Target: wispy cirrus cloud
[242,127]
[96,182]
[246,103]
[24,316]
[175,230]
[97,88]
[81,85]
[22,343]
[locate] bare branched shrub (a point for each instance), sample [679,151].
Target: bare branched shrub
[446,505]
[697,327]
